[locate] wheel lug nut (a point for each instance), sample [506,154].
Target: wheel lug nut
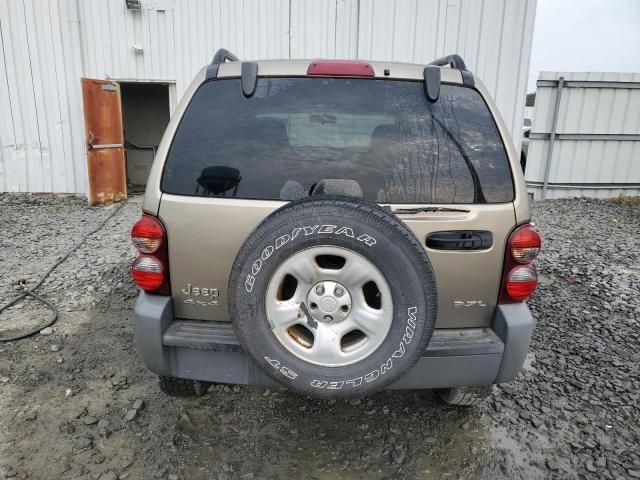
[328,318]
[320,290]
[338,291]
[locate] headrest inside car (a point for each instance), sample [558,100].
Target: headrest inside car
[342,187]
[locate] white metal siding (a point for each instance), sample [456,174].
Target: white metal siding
[583,167]
[40,114]
[492,36]
[528,112]
[48,45]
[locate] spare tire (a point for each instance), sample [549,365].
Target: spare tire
[333,297]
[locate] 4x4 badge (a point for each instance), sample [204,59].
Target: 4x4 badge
[201,296]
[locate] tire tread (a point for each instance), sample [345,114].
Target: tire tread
[182,387]
[465,396]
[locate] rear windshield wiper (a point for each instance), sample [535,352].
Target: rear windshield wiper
[478,195]
[429,209]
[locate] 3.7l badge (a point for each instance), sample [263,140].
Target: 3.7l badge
[468,303]
[205,297]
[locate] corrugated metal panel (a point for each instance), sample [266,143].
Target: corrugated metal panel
[178,37]
[39,94]
[8,140]
[528,112]
[313,28]
[591,167]
[48,46]
[324,29]
[492,36]
[23,152]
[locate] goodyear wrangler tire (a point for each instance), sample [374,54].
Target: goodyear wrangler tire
[333,297]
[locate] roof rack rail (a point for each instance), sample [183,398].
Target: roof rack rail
[432,77]
[453,61]
[221,56]
[249,71]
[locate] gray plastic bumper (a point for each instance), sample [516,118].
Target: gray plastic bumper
[209,351]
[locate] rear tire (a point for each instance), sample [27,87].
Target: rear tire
[465,396]
[182,387]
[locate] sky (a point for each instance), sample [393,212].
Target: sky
[585,36]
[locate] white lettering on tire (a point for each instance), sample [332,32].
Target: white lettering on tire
[355,382]
[335,385]
[280,241]
[255,268]
[368,239]
[267,252]
[399,353]
[385,366]
[286,371]
[371,376]
[326,229]
[249,282]
[286,238]
[345,231]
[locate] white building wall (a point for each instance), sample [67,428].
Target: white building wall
[47,46]
[492,36]
[41,135]
[597,149]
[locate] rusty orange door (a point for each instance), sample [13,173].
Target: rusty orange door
[104,140]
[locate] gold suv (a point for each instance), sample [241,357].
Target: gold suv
[337,227]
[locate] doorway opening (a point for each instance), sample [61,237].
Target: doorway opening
[145,116]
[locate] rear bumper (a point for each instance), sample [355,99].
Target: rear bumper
[210,351]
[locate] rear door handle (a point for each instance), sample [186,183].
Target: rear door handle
[465,240]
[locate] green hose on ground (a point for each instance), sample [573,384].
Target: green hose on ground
[31,292]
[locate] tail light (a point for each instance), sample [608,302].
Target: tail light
[148,272]
[519,277]
[521,283]
[147,234]
[150,269]
[525,244]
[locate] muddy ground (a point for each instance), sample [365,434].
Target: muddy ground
[77,403]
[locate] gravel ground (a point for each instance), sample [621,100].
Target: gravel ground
[77,403]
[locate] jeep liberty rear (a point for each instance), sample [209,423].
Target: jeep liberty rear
[337,227]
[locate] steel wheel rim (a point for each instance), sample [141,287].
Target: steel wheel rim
[359,321]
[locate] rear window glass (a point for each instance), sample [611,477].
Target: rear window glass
[294,132]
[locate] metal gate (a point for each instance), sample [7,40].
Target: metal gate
[585,139]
